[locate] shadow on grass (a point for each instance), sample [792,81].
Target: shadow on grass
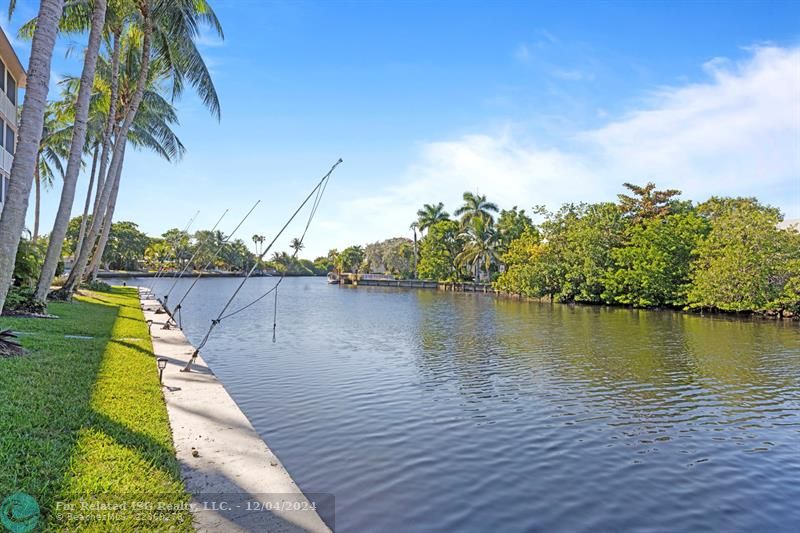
[81,419]
[132,346]
[46,400]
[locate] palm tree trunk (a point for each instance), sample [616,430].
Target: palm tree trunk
[119,145]
[82,231]
[109,216]
[110,125]
[75,153]
[415,254]
[12,220]
[37,183]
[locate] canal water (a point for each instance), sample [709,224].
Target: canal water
[428,411]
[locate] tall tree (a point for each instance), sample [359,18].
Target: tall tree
[652,269]
[170,28]
[89,194]
[296,245]
[511,225]
[258,241]
[81,114]
[350,259]
[745,262]
[481,246]
[431,214]
[476,206]
[121,134]
[646,202]
[151,129]
[12,220]
[53,148]
[438,252]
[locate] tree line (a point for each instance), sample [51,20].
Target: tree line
[140,57]
[649,249]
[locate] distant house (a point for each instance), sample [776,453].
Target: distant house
[12,78]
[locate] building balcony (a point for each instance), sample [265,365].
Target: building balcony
[8,110]
[6,160]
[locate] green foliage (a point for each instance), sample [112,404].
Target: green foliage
[526,267]
[438,252]
[126,246]
[236,257]
[476,206]
[291,265]
[392,256]
[179,244]
[646,202]
[652,269]
[21,300]
[572,260]
[323,265]
[350,259]
[97,286]
[29,261]
[157,253]
[580,239]
[511,224]
[480,249]
[745,263]
[71,238]
[431,214]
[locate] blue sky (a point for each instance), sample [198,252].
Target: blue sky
[527,102]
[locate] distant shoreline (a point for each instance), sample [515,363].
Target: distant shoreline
[127,274]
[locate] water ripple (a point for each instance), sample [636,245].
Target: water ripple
[427,411]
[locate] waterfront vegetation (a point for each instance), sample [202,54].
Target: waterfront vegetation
[139,58]
[650,249]
[85,415]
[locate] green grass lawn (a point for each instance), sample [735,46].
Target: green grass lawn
[84,420]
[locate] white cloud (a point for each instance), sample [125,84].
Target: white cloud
[733,135]
[736,134]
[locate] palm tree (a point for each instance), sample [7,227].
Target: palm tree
[414,226]
[151,129]
[169,30]
[12,219]
[258,240]
[475,206]
[431,214]
[74,162]
[480,250]
[95,149]
[53,149]
[296,245]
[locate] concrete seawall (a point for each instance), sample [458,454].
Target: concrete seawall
[420,284]
[237,483]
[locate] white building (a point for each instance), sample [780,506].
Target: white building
[12,78]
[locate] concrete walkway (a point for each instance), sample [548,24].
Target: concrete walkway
[236,482]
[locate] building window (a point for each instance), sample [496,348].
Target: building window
[11,88]
[9,140]
[2,130]
[2,76]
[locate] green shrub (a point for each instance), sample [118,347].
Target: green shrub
[97,286]
[28,264]
[21,300]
